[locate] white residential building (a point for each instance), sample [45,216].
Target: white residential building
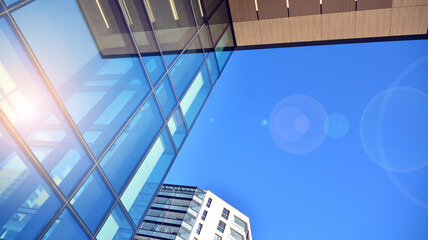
[189,213]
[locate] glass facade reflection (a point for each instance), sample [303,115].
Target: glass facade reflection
[96,99]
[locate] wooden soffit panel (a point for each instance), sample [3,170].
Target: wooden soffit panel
[305,28]
[373,23]
[334,6]
[409,20]
[304,7]
[405,3]
[243,10]
[247,33]
[373,4]
[275,31]
[272,9]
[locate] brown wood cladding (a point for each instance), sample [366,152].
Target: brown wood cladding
[272,9]
[373,4]
[304,7]
[243,10]
[333,6]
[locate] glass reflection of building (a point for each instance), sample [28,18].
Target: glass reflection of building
[96,99]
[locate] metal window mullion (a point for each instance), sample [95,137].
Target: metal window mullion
[153,89]
[203,105]
[141,162]
[38,165]
[15,5]
[185,48]
[70,207]
[65,114]
[51,89]
[135,171]
[209,73]
[196,22]
[194,78]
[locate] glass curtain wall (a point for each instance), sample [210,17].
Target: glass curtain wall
[96,99]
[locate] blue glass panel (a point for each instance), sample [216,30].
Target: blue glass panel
[223,50]
[213,67]
[28,105]
[116,227]
[26,201]
[186,67]
[93,201]
[166,96]
[177,128]
[10,2]
[143,187]
[155,67]
[128,150]
[169,58]
[195,97]
[65,227]
[100,93]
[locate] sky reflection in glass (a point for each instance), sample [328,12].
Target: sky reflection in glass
[94,89]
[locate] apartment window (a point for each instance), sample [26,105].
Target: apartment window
[241,223]
[209,202]
[217,237]
[221,226]
[236,235]
[199,229]
[204,215]
[225,213]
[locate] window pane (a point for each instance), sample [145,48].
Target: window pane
[128,150]
[144,36]
[26,201]
[235,235]
[143,187]
[224,48]
[65,227]
[241,223]
[177,128]
[213,67]
[116,227]
[186,68]
[206,40]
[225,213]
[92,201]
[221,226]
[173,23]
[219,21]
[100,92]
[195,97]
[28,105]
[166,97]
[10,2]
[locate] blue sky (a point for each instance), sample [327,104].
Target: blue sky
[263,144]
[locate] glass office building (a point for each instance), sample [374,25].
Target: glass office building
[96,100]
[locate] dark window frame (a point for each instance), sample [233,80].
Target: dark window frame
[225,214]
[199,229]
[204,215]
[209,202]
[221,226]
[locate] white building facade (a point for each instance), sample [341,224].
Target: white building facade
[218,220]
[189,213]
